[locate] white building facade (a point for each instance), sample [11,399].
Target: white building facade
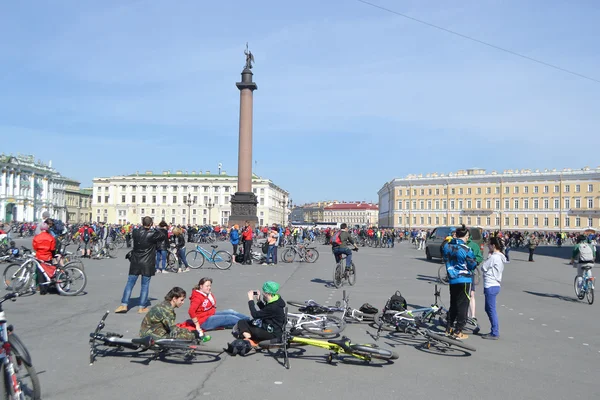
[28,188]
[181,198]
[352,213]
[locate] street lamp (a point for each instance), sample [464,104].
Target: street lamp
[284,204]
[189,202]
[210,206]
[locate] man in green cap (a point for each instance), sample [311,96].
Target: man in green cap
[267,310]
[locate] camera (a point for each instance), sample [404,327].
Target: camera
[255,293]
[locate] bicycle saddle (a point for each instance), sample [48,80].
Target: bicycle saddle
[214,246]
[144,342]
[340,342]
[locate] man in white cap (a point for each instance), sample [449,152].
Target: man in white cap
[45,216]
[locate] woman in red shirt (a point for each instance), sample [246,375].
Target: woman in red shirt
[203,310]
[44,246]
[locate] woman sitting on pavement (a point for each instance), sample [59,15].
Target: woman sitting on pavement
[268,319]
[203,310]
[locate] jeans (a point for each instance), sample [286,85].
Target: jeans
[161,254]
[143,291]
[506,251]
[247,252]
[490,307]
[270,252]
[338,251]
[459,305]
[225,319]
[182,259]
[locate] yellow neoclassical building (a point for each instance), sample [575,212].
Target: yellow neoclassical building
[549,200]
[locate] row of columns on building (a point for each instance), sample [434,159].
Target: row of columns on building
[23,206]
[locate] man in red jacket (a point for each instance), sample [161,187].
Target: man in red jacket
[247,239]
[44,246]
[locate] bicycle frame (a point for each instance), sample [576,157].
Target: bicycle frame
[209,256]
[324,344]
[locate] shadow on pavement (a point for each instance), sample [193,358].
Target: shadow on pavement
[428,278]
[395,339]
[328,284]
[145,357]
[299,353]
[554,296]
[135,302]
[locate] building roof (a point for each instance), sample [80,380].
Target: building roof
[352,206]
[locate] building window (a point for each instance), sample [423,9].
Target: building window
[497,221]
[99,199]
[516,204]
[488,221]
[407,204]
[143,188]
[429,204]
[478,203]
[590,188]
[567,221]
[143,211]
[577,188]
[437,220]
[422,219]
[590,222]
[152,211]
[506,190]
[172,211]
[453,191]
[154,199]
[526,189]
[478,221]
[414,205]
[567,203]
[556,188]
[452,204]
[453,220]
[567,188]
[497,205]
[400,220]
[545,221]
[516,191]
[437,204]
[262,201]
[536,220]
[437,192]
[460,190]
[545,189]
[526,221]
[577,221]
[506,221]
[183,211]
[577,203]
[163,212]
[526,204]
[546,204]
[414,220]
[422,193]
[506,204]
[497,191]
[535,189]
[164,199]
[174,199]
[123,199]
[590,203]
[133,199]
[445,204]
[468,190]
[216,201]
[400,205]
[143,199]
[430,192]
[516,221]
[422,205]
[414,192]
[428,220]
[556,204]
[536,204]
[478,190]
[460,204]
[488,190]
[468,221]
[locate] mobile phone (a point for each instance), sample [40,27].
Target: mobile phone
[255,293]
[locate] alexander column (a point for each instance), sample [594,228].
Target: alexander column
[243,202]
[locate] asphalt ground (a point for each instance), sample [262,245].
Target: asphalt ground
[549,345]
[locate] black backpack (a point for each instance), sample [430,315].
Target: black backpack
[397,302]
[238,347]
[368,309]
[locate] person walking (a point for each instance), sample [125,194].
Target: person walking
[492,270]
[532,244]
[142,261]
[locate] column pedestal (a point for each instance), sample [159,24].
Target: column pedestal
[243,208]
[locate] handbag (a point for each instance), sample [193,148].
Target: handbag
[265,247]
[128,255]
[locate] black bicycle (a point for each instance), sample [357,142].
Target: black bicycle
[161,348]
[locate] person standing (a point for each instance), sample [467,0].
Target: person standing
[44,246]
[478,258]
[142,261]
[161,249]
[179,241]
[460,263]
[532,244]
[272,249]
[492,270]
[234,238]
[247,240]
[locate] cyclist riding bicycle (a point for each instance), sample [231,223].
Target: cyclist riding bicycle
[584,255]
[339,243]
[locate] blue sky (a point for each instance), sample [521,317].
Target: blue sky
[349,96]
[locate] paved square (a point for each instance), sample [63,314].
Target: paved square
[549,347]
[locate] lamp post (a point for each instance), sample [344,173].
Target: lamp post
[210,206]
[284,204]
[189,203]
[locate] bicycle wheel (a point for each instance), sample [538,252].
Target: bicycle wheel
[443,275]
[119,242]
[328,326]
[578,285]
[288,256]
[69,280]
[296,303]
[17,276]
[195,259]
[26,374]
[311,256]
[222,259]
[590,294]
[373,351]
[338,275]
[383,322]
[352,275]
[449,341]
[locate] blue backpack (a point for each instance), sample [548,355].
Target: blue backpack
[234,235]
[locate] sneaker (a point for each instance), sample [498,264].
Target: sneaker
[164,271]
[121,310]
[449,331]
[186,270]
[489,336]
[143,310]
[264,264]
[158,271]
[459,336]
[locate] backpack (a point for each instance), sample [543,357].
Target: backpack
[368,309]
[397,302]
[58,228]
[234,235]
[336,240]
[86,234]
[238,346]
[586,255]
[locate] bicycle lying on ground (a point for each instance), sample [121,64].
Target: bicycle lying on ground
[584,285]
[414,322]
[341,273]
[314,320]
[221,259]
[20,379]
[69,280]
[337,348]
[162,348]
[349,314]
[305,253]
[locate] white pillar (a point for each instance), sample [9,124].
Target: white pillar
[10,183]
[45,186]
[18,183]
[3,187]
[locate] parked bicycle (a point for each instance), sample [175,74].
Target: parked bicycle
[584,285]
[20,380]
[337,348]
[221,259]
[69,280]
[304,253]
[341,273]
[349,314]
[162,348]
[414,322]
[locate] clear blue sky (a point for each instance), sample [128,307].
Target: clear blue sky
[349,96]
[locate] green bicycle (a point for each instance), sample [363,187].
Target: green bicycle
[337,348]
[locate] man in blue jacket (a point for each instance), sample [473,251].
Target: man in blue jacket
[460,263]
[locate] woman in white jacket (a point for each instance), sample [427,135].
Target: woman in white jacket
[492,277]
